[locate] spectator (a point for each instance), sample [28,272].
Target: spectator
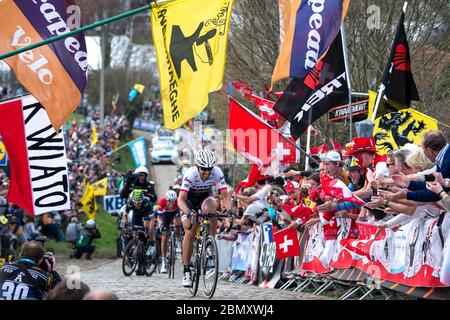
[84,241]
[29,230]
[68,290]
[100,294]
[73,230]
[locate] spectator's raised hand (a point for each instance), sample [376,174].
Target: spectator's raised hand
[435,186]
[387,194]
[327,206]
[439,178]
[400,179]
[375,202]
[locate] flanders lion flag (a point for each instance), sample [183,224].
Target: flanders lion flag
[190,39]
[100,187]
[88,202]
[398,126]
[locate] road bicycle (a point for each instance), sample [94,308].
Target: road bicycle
[171,251]
[140,254]
[205,256]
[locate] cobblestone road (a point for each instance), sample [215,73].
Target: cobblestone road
[159,286]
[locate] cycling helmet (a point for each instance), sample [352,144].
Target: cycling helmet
[137,196]
[205,159]
[141,169]
[90,224]
[171,195]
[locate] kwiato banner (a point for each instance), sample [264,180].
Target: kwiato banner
[37,157]
[112,204]
[139,153]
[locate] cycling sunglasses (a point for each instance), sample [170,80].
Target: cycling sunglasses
[205,169]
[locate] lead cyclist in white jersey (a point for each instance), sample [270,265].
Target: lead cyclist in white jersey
[196,193]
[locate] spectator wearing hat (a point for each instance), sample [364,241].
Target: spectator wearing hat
[332,164]
[84,240]
[293,193]
[365,151]
[356,178]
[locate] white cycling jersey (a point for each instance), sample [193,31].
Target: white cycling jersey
[193,183]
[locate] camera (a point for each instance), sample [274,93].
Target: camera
[430,178]
[47,262]
[374,191]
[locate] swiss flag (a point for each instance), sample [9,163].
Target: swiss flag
[337,189]
[251,136]
[286,242]
[337,146]
[287,152]
[242,87]
[322,149]
[265,107]
[300,211]
[254,174]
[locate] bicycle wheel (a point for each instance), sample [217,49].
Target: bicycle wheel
[152,258]
[130,259]
[171,258]
[209,266]
[195,268]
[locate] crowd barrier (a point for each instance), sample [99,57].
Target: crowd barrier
[345,256]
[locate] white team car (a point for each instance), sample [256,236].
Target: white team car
[163,151]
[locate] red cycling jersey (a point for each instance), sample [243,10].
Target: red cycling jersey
[163,206]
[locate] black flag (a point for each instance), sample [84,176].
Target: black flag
[305,100]
[397,77]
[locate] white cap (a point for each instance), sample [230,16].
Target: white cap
[332,156]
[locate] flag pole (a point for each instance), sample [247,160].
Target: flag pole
[382,87]
[347,76]
[122,146]
[308,146]
[281,134]
[76,31]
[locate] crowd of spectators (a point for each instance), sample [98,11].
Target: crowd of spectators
[408,183]
[87,163]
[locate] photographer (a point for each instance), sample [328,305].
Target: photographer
[30,277]
[138,180]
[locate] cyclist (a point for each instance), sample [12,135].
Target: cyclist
[167,212]
[195,194]
[142,215]
[138,180]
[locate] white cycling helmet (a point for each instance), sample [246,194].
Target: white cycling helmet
[171,195]
[205,159]
[141,169]
[90,224]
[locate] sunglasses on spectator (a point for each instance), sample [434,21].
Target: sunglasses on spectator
[390,164]
[205,169]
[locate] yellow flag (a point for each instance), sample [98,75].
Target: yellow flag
[100,187]
[190,39]
[396,129]
[94,137]
[88,202]
[139,87]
